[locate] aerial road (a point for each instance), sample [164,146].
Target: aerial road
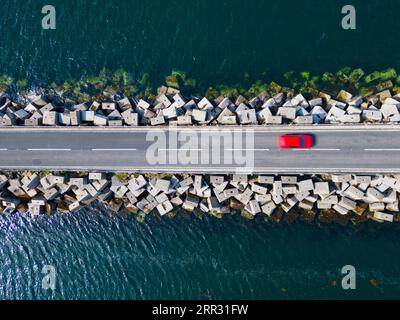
[211,149]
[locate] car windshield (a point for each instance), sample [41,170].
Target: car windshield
[302,141]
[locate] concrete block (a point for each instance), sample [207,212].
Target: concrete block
[264,113]
[321,188]
[162,197]
[157,121]
[277,188]
[97,176]
[273,120]
[323,205]
[262,198]
[199,115]
[176,201]
[31,122]
[289,189]
[124,104]
[130,118]
[342,178]
[64,119]
[91,190]
[258,189]
[304,120]
[287,113]
[277,199]
[300,196]
[180,101]
[228,193]
[247,117]
[344,96]
[76,181]
[240,178]
[184,120]
[87,116]
[383,216]
[375,195]
[253,207]
[352,110]
[162,185]
[394,118]
[389,110]
[354,193]
[347,203]
[142,104]
[372,115]
[306,185]
[289,179]
[192,200]
[245,196]
[115,123]
[394,206]
[164,100]
[108,106]
[165,207]
[217,180]
[390,196]
[50,118]
[204,104]
[95,106]
[334,114]
[350,118]
[306,205]
[51,194]
[198,181]
[319,112]
[170,112]
[302,112]
[100,120]
[21,114]
[266,179]
[376,206]
[362,179]
[75,118]
[338,208]
[74,206]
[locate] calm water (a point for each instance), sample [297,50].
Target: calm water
[98,256]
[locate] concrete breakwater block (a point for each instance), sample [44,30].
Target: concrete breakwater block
[172,107]
[340,197]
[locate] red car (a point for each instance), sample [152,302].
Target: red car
[299,141]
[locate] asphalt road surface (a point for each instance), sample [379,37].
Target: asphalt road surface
[354,149]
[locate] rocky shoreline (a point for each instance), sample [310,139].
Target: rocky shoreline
[172,108]
[340,199]
[346,97]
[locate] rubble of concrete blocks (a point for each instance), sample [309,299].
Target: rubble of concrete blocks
[344,195]
[170,107]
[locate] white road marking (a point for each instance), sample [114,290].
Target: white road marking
[381,149]
[49,149]
[114,149]
[3,149]
[315,149]
[247,149]
[181,149]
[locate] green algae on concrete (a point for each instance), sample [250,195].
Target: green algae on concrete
[120,83]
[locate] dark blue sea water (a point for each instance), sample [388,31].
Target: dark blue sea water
[113,257]
[100,256]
